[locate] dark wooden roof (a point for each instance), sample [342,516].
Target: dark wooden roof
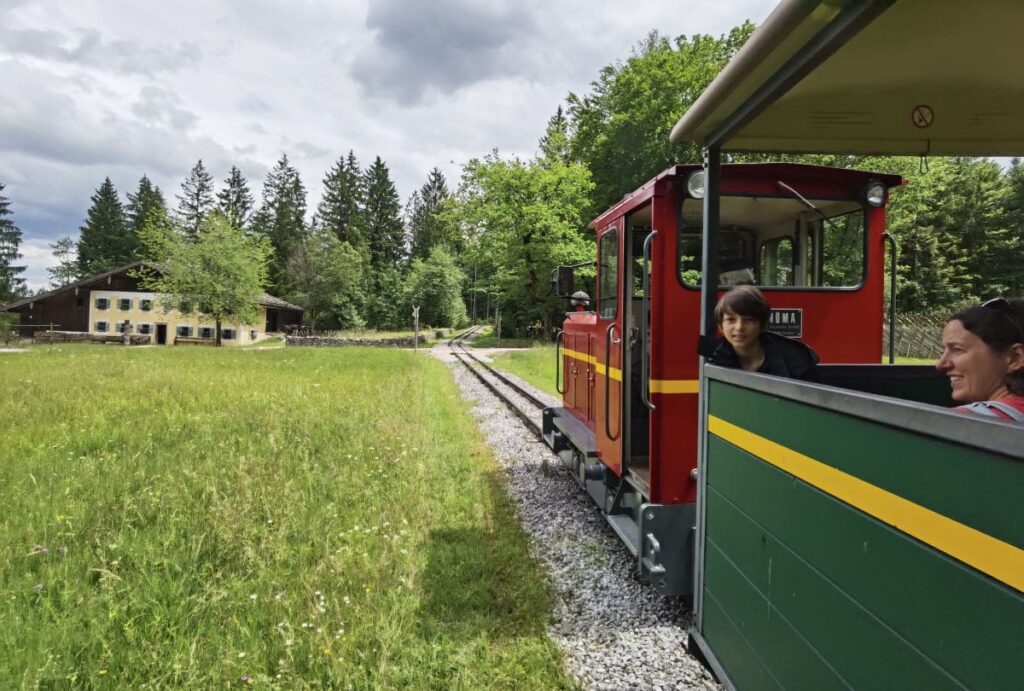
[266,300]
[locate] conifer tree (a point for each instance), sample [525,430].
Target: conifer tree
[11,285]
[145,204]
[196,199]
[385,233]
[235,200]
[281,218]
[427,226]
[66,270]
[341,208]
[555,144]
[104,242]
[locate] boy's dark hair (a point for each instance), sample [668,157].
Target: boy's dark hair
[746,301]
[999,323]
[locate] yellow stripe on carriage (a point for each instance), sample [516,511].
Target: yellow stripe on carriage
[1000,560]
[662,386]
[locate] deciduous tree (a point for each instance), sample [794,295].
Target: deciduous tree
[523,220]
[435,286]
[325,276]
[222,271]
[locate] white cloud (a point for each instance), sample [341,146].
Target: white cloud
[121,89]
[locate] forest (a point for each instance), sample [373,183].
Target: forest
[463,249]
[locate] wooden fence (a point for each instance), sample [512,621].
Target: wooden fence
[917,335]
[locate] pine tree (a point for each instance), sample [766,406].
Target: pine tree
[341,207]
[196,199]
[104,242]
[427,226]
[282,217]
[66,270]
[11,285]
[385,233]
[235,200]
[555,144]
[147,203]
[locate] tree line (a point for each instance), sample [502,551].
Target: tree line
[361,259]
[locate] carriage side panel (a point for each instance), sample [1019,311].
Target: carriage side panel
[840,550]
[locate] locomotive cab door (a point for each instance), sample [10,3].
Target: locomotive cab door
[608,366]
[637,304]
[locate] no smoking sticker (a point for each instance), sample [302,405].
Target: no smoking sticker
[923,116]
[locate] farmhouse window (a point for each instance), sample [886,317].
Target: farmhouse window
[102,303]
[124,304]
[185,331]
[185,307]
[145,305]
[205,332]
[119,327]
[227,334]
[101,326]
[145,329]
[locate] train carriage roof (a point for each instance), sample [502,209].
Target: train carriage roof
[902,77]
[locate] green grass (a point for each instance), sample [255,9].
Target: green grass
[488,339]
[195,517]
[535,365]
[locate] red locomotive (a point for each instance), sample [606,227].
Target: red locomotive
[812,238]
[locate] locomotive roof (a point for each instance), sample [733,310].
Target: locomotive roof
[791,172]
[903,77]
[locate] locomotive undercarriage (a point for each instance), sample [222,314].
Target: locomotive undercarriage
[660,536]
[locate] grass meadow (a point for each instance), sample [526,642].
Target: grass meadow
[209,518]
[535,365]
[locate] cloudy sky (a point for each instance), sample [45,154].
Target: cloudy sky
[96,88]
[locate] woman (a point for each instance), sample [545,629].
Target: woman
[742,315]
[983,356]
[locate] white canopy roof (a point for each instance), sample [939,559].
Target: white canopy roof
[910,77]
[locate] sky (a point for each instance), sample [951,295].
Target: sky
[98,88]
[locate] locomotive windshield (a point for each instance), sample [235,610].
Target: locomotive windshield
[777,242]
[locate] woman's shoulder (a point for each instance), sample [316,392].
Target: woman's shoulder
[1006,408]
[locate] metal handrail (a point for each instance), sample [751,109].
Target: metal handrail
[607,380]
[558,361]
[893,259]
[645,336]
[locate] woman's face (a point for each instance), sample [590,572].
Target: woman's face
[975,371]
[741,332]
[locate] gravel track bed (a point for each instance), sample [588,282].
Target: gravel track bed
[616,632]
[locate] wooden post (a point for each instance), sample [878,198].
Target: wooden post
[415,328]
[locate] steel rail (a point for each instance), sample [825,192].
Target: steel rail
[505,380]
[465,357]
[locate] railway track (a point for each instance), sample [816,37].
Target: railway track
[528,406]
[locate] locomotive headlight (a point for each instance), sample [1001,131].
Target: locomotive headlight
[874,193]
[695,185]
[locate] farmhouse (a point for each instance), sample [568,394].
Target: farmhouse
[101,304]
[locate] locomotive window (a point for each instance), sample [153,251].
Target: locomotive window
[842,250]
[777,242]
[777,262]
[608,277]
